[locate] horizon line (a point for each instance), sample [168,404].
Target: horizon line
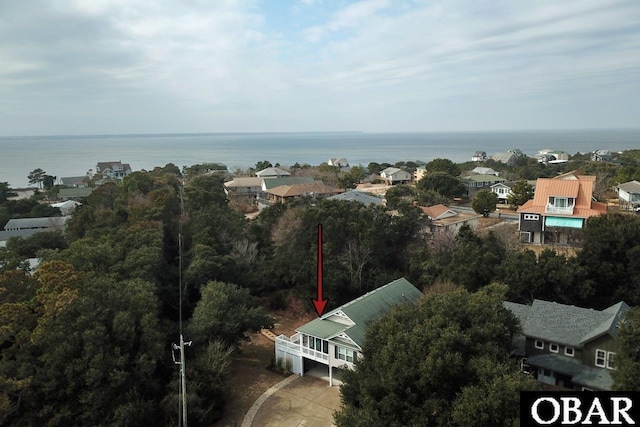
[173,134]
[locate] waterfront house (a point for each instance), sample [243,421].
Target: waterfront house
[601,156]
[479,156]
[113,170]
[340,162]
[75,181]
[629,195]
[559,209]
[395,176]
[509,157]
[568,346]
[335,339]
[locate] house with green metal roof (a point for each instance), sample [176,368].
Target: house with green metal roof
[335,339]
[569,346]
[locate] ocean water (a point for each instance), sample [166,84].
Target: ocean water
[75,155]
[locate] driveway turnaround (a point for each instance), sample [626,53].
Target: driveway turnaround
[300,401]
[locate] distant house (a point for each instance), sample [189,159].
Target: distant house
[26,227]
[568,346]
[509,157]
[479,156]
[67,207]
[340,162]
[285,193]
[395,176]
[629,195]
[419,173]
[601,156]
[502,190]
[445,219]
[113,170]
[335,339]
[357,196]
[559,209]
[552,156]
[272,173]
[74,193]
[243,189]
[75,181]
[484,171]
[478,182]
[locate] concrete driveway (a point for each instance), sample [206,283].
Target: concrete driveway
[301,401]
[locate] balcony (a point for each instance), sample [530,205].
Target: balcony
[293,346]
[566,210]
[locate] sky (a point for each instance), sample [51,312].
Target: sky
[164,66]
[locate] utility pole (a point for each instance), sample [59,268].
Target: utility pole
[182,393]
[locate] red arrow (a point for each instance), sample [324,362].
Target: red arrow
[319,303]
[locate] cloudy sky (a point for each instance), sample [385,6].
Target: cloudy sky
[134,66]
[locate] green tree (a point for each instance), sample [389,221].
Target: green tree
[485,202]
[609,262]
[444,166]
[627,373]
[226,312]
[443,183]
[93,341]
[399,194]
[520,193]
[36,176]
[263,164]
[5,192]
[427,365]
[352,178]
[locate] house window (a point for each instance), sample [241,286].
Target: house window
[344,353]
[538,344]
[611,360]
[531,217]
[601,358]
[568,351]
[553,347]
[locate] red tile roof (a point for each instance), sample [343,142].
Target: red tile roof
[570,184]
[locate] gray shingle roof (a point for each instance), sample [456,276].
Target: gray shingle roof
[357,196]
[566,324]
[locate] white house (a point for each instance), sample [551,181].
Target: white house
[113,170]
[336,338]
[502,190]
[629,195]
[395,176]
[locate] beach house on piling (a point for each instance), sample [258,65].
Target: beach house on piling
[335,339]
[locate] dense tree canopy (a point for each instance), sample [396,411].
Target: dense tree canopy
[442,363]
[442,182]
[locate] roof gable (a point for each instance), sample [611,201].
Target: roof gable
[630,187]
[438,212]
[567,324]
[362,311]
